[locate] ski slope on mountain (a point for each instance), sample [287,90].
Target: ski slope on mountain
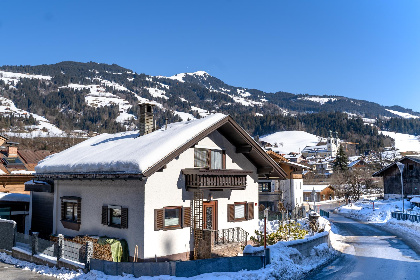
[290,141]
[404,142]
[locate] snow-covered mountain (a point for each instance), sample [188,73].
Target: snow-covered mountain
[71,96]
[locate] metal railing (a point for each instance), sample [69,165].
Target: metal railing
[406,216]
[73,251]
[324,213]
[230,235]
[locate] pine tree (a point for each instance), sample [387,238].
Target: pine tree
[341,160]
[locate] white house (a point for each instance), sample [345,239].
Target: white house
[159,190]
[287,190]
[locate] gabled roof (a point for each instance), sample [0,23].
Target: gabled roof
[127,153]
[380,172]
[280,159]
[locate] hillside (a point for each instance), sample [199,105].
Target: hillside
[83,98]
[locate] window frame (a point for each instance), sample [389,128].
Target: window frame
[245,211]
[110,208]
[179,208]
[248,211]
[208,156]
[184,218]
[264,189]
[76,220]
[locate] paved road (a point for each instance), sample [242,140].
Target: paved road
[372,254]
[11,272]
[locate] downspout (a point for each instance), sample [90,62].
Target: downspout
[291,196]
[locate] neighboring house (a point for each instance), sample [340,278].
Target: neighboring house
[17,166]
[322,193]
[15,206]
[159,190]
[288,190]
[392,178]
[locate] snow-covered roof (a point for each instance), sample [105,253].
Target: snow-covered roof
[309,188]
[127,153]
[415,199]
[14,197]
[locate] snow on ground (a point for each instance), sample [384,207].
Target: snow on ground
[290,141]
[155,92]
[363,210]
[12,78]
[203,113]
[321,100]
[184,116]
[404,142]
[43,129]
[403,115]
[99,97]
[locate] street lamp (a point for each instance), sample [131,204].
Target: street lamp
[401,168]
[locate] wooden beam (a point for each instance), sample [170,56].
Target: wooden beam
[264,170]
[244,149]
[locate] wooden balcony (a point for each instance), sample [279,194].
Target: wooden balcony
[215,179]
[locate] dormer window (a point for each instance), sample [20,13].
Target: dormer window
[209,158]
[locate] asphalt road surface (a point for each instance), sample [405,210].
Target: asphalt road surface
[372,254]
[11,272]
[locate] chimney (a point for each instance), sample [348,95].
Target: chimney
[146,118]
[12,151]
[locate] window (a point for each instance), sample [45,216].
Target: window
[71,212]
[172,217]
[265,186]
[115,216]
[206,158]
[200,158]
[216,159]
[411,167]
[240,211]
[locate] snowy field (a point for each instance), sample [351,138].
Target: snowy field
[290,141]
[286,263]
[363,210]
[404,142]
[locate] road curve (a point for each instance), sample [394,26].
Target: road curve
[372,254]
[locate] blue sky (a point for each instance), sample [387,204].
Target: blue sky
[364,49]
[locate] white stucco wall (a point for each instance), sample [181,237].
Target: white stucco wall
[95,194]
[167,188]
[292,195]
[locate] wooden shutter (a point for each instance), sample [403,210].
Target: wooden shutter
[104,215]
[186,215]
[79,210]
[124,217]
[224,159]
[63,210]
[231,212]
[159,213]
[250,209]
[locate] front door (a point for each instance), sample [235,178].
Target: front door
[210,215]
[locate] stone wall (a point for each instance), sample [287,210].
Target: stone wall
[7,234]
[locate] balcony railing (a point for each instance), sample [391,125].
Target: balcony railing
[215,178]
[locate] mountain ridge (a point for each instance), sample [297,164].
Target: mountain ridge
[99,97]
